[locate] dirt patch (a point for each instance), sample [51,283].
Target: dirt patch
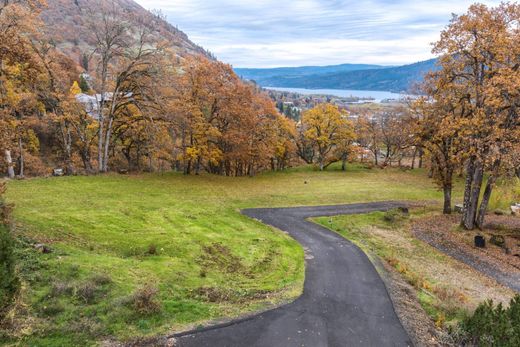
[218,256]
[415,320]
[499,263]
[221,295]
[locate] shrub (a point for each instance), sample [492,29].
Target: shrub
[145,300]
[87,292]
[492,325]
[101,279]
[9,282]
[395,216]
[152,249]
[60,288]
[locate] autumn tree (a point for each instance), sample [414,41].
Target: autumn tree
[327,129]
[125,68]
[19,71]
[369,133]
[434,131]
[222,124]
[396,134]
[480,69]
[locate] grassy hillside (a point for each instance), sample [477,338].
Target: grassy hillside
[116,239]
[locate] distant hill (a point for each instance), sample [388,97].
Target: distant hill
[67,24]
[260,75]
[347,76]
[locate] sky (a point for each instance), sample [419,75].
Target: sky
[273,33]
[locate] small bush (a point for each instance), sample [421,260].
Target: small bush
[145,300]
[492,325]
[52,309]
[152,249]
[87,292]
[9,282]
[394,216]
[101,279]
[61,288]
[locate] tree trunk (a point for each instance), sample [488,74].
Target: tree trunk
[100,140]
[9,161]
[22,161]
[344,162]
[187,167]
[107,144]
[447,199]
[421,154]
[85,157]
[150,163]
[67,141]
[470,170]
[376,152]
[485,201]
[413,157]
[197,166]
[471,195]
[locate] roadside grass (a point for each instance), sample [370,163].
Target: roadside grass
[179,238]
[506,193]
[446,289]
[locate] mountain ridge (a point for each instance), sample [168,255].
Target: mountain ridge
[382,78]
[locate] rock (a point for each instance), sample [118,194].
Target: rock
[123,171]
[458,208]
[480,241]
[171,342]
[498,240]
[58,172]
[404,210]
[42,248]
[515,210]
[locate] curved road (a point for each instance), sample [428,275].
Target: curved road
[344,302]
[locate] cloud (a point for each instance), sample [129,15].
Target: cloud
[268,33]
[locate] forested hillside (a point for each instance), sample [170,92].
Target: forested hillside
[69,25]
[393,79]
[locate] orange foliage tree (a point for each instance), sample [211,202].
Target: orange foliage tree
[480,76]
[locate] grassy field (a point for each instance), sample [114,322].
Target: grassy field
[153,253]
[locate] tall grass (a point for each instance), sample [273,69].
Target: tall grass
[506,193]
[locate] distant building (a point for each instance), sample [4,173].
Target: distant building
[91,103]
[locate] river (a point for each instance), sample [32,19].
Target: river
[377,96]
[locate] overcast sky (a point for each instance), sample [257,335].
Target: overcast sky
[270,33]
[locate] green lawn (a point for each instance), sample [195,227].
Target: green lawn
[113,235]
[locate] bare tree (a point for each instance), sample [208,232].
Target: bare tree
[124,67]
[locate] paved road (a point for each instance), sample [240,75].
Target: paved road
[344,302]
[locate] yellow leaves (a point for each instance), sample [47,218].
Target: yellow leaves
[12,97]
[325,124]
[477,112]
[75,89]
[32,143]
[192,153]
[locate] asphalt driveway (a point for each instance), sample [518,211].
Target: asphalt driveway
[344,302]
